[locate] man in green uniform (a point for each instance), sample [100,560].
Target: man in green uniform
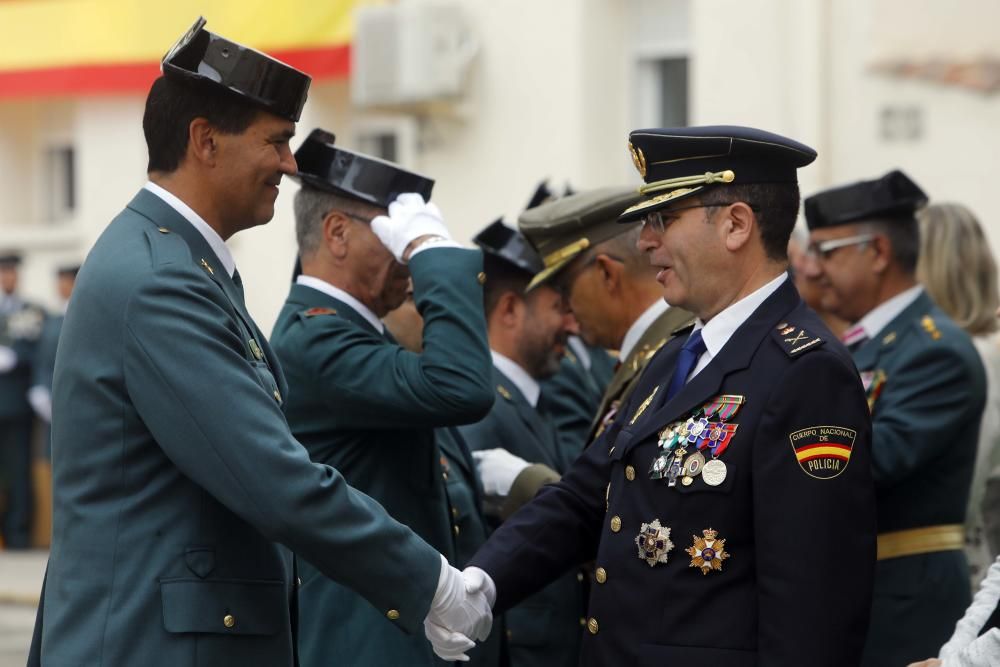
[359,401]
[20,327]
[176,477]
[926,389]
[527,333]
[610,285]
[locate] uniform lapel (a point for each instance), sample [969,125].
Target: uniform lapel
[735,355]
[867,356]
[532,420]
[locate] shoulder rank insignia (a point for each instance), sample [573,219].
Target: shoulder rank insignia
[795,340]
[708,551]
[503,391]
[208,267]
[823,452]
[927,322]
[313,312]
[654,543]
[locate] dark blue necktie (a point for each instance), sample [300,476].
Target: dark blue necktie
[692,350]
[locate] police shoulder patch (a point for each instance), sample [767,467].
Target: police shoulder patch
[314,312]
[823,452]
[795,340]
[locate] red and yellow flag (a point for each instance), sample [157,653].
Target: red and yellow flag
[89,47]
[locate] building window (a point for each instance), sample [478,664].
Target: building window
[389,137]
[60,183]
[901,123]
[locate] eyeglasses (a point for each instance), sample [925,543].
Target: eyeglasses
[359,218]
[824,249]
[656,222]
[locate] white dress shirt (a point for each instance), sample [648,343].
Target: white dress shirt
[340,295]
[526,384]
[878,318]
[215,241]
[639,327]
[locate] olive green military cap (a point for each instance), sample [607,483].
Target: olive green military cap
[562,229]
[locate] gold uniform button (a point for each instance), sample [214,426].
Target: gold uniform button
[454,512]
[629,473]
[579,576]
[392,615]
[592,626]
[601,575]
[298,581]
[481,278]
[457,530]
[228,620]
[163,230]
[277,396]
[616,523]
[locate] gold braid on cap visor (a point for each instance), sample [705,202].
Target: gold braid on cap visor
[708,178]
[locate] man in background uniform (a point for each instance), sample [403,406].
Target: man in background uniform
[926,388]
[527,335]
[610,286]
[359,401]
[40,394]
[176,477]
[729,507]
[20,328]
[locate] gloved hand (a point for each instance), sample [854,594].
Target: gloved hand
[456,615]
[477,580]
[40,399]
[498,469]
[8,359]
[409,219]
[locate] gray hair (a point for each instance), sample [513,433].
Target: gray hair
[311,208]
[625,247]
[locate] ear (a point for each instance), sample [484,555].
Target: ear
[336,233]
[202,142]
[883,253]
[738,223]
[509,310]
[610,272]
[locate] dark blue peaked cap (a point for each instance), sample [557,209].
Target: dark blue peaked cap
[894,196]
[510,245]
[355,175]
[204,58]
[679,162]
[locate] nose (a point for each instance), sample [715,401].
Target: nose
[287,165]
[810,266]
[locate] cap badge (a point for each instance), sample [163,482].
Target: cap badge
[638,159]
[654,542]
[708,551]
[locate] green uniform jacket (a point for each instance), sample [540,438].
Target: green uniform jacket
[545,628]
[625,378]
[926,387]
[176,476]
[45,362]
[572,395]
[366,406]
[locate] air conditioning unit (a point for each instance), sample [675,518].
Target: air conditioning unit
[409,53]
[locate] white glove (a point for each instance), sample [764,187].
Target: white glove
[457,616]
[498,469]
[8,359]
[477,580]
[41,401]
[409,218]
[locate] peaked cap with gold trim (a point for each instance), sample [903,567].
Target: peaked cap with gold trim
[563,228]
[679,162]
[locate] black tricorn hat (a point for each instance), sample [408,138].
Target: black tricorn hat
[10,259]
[680,162]
[892,196]
[356,175]
[203,57]
[510,245]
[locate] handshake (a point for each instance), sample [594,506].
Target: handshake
[460,611]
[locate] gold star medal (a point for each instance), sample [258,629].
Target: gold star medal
[654,542]
[708,551]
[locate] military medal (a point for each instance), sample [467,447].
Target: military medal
[659,467]
[694,465]
[708,551]
[714,472]
[654,542]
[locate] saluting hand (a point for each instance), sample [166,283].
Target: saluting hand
[410,219]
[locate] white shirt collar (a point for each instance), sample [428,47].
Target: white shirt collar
[527,385]
[579,348]
[340,295]
[215,241]
[879,317]
[717,331]
[639,327]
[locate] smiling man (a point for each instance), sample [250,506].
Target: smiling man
[359,401]
[178,487]
[926,389]
[729,507]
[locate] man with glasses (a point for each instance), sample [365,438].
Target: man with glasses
[926,389]
[729,507]
[608,283]
[359,401]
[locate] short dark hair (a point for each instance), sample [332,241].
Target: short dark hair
[172,105]
[776,206]
[501,277]
[903,233]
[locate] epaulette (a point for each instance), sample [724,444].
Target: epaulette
[927,322]
[795,340]
[313,312]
